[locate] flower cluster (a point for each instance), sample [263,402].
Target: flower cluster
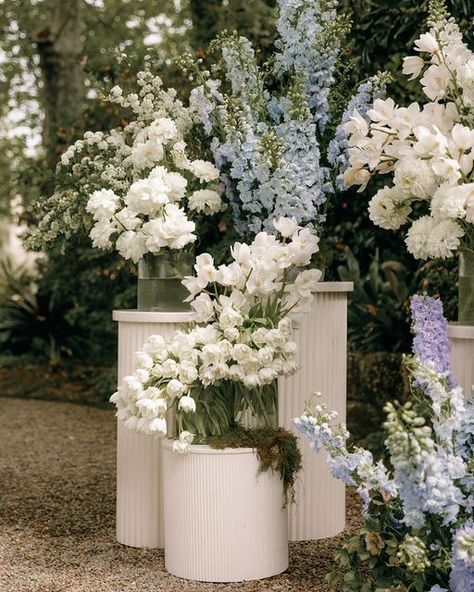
[134,188]
[267,123]
[420,512]
[429,149]
[244,314]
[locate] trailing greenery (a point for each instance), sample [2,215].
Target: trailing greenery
[276,448]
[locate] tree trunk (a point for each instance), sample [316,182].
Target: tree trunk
[205,15]
[60,48]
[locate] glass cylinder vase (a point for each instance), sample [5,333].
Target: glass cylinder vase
[159,280]
[466,288]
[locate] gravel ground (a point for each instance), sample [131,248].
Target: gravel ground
[57,512]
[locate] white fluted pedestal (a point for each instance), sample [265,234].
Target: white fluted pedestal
[462,355]
[319,511]
[225,521]
[139,458]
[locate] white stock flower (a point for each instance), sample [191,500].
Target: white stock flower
[389,209]
[206,201]
[203,170]
[429,238]
[102,204]
[414,177]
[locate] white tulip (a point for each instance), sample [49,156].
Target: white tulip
[187,404]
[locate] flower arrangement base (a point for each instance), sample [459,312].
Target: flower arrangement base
[319,511]
[139,460]
[224,521]
[462,355]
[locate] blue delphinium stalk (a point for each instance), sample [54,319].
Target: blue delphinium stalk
[431,343]
[309,44]
[462,564]
[362,101]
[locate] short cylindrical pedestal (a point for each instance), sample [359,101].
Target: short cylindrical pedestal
[319,511]
[224,521]
[462,356]
[139,457]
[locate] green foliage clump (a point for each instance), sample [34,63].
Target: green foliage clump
[276,448]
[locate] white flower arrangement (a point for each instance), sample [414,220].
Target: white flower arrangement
[135,188]
[244,314]
[428,148]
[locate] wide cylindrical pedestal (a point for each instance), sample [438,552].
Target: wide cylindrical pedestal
[224,521]
[319,511]
[139,458]
[462,356]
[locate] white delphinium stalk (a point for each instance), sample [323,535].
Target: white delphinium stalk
[429,148]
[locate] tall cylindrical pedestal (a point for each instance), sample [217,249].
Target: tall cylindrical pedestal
[139,464]
[462,356]
[319,511]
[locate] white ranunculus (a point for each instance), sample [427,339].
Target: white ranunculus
[102,204]
[389,208]
[154,345]
[131,245]
[203,308]
[206,201]
[412,66]
[229,318]
[175,388]
[187,404]
[187,372]
[286,226]
[231,334]
[143,360]
[203,170]
[170,368]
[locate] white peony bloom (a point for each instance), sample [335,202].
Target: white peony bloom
[412,66]
[128,219]
[173,230]
[176,185]
[203,170]
[414,177]
[131,245]
[286,226]
[389,208]
[147,195]
[102,204]
[100,234]
[205,201]
[429,238]
[144,155]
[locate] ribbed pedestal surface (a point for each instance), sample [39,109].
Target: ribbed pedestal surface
[462,355]
[224,521]
[139,458]
[319,511]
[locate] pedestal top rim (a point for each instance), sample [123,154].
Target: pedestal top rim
[206,449]
[461,331]
[334,287]
[145,316]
